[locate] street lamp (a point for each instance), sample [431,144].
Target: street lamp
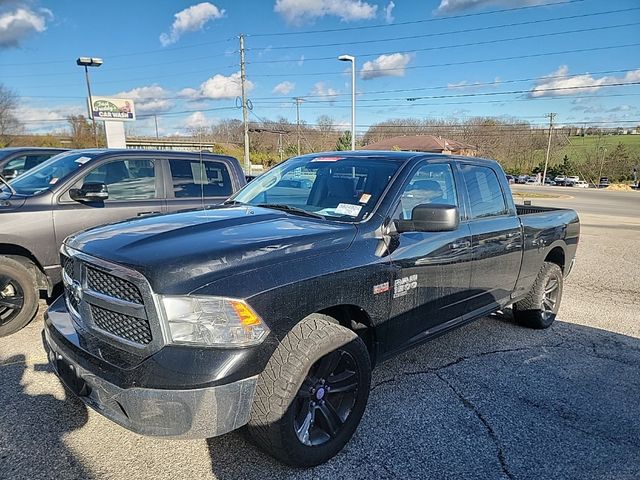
[90,62]
[352,59]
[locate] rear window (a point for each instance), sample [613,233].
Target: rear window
[195,179]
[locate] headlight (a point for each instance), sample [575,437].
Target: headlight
[212,322]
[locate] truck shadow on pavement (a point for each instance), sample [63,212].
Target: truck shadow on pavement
[32,425]
[491,400]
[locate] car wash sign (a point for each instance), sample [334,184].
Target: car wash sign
[113,109]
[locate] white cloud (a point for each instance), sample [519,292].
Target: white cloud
[47,119]
[191,19]
[322,90]
[16,25]
[197,120]
[559,83]
[149,99]
[388,12]
[300,11]
[467,85]
[218,87]
[392,65]
[284,88]
[453,6]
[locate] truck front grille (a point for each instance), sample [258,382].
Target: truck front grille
[107,284]
[134,329]
[111,300]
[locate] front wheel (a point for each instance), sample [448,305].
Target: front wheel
[18,296]
[312,394]
[540,307]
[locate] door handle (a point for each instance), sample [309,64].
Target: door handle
[143,214]
[459,245]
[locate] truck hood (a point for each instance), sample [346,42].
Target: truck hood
[182,252]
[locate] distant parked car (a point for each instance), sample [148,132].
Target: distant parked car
[573,179]
[531,181]
[16,161]
[511,179]
[522,179]
[604,182]
[548,181]
[580,184]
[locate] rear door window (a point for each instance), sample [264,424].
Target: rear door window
[485,194]
[195,179]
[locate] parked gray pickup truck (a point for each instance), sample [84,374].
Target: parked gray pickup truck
[86,188]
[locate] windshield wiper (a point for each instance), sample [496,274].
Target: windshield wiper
[290,209]
[11,189]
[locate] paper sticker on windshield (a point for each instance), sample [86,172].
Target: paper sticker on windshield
[348,209]
[327,159]
[365,197]
[82,160]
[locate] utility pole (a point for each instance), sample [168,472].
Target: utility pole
[297,99]
[546,162]
[155,117]
[245,113]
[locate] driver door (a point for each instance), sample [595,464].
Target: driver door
[432,269]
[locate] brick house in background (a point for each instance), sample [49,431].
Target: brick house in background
[423,143]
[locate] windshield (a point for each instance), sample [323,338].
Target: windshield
[47,174]
[342,188]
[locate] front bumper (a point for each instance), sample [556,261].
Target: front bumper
[189,413]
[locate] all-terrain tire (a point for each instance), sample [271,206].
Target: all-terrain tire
[538,310]
[272,426]
[17,286]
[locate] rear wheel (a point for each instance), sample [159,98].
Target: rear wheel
[540,307]
[312,394]
[18,296]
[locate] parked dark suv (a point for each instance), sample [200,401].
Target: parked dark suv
[16,161]
[85,188]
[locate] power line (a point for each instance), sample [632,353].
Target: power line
[459,45]
[414,22]
[122,55]
[467,62]
[450,86]
[448,32]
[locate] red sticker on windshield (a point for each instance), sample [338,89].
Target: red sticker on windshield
[327,159]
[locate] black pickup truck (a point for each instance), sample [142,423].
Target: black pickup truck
[270,310]
[85,188]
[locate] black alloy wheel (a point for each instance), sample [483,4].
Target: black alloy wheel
[326,398]
[11,299]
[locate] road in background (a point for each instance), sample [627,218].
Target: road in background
[586,200]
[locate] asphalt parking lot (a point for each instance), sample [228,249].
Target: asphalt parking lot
[491,400]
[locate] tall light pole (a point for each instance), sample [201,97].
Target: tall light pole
[90,62]
[352,59]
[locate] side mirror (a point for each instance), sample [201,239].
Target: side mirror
[430,218]
[10,174]
[90,192]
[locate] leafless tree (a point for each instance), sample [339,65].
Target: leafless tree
[9,122]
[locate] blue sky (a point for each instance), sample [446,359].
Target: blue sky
[182,56]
